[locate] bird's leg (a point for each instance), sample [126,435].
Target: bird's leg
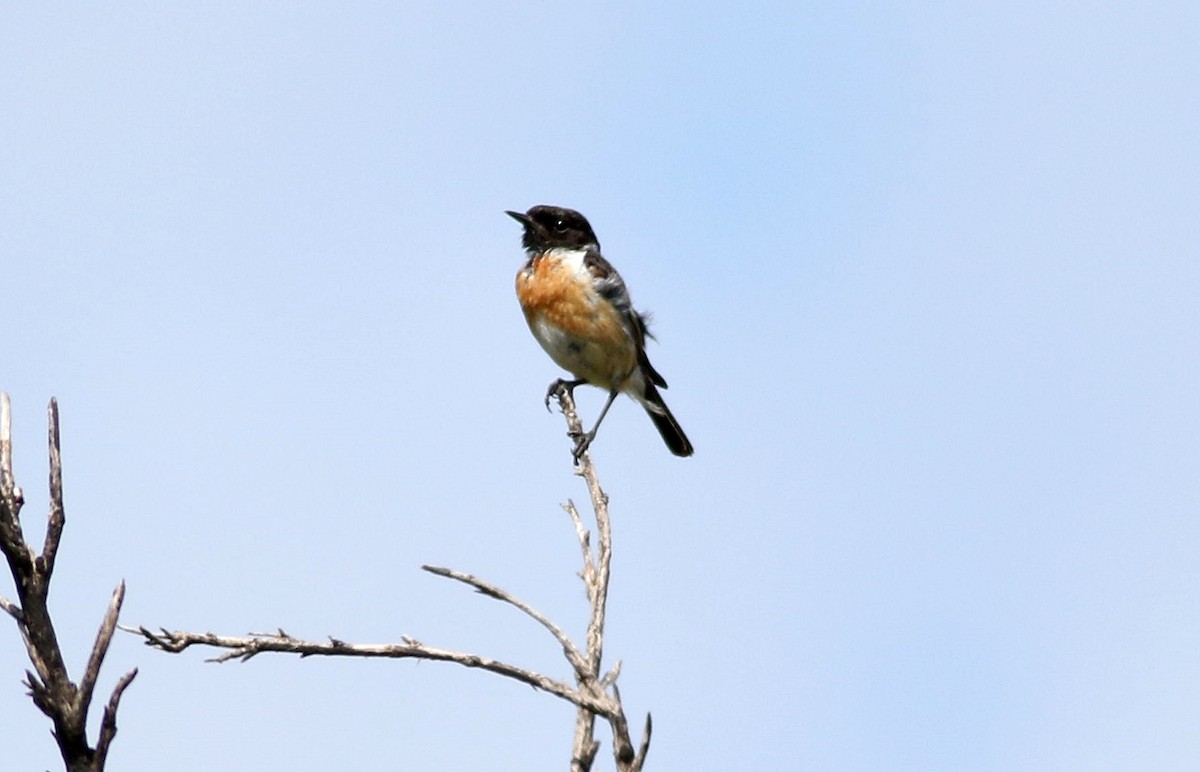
[584,440]
[560,384]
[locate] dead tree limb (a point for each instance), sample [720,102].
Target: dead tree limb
[50,686]
[594,693]
[595,575]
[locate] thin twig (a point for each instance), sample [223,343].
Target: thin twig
[573,656]
[12,539]
[108,725]
[12,609]
[103,638]
[595,631]
[643,747]
[57,518]
[622,746]
[588,572]
[584,468]
[584,745]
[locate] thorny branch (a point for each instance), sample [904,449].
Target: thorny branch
[50,686]
[594,694]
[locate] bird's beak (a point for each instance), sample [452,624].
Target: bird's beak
[520,217]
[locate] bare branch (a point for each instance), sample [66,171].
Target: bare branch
[573,656]
[12,540]
[244,648]
[585,746]
[594,695]
[108,725]
[12,609]
[50,686]
[37,691]
[584,468]
[588,572]
[596,572]
[644,746]
[103,638]
[622,746]
[57,518]
[595,632]
[611,676]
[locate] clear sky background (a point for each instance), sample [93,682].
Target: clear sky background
[925,282]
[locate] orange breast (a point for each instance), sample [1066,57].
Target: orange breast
[578,328]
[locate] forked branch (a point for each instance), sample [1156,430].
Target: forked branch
[593,693]
[50,687]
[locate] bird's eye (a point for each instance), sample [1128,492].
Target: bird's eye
[560,225]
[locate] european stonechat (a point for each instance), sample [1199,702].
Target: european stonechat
[578,308]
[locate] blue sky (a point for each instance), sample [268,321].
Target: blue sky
[924,279]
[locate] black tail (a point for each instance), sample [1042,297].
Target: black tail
[668,427]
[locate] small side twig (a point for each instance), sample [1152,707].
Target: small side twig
[50,686]
[108,724]
[492,591]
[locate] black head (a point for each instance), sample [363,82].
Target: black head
[547,227]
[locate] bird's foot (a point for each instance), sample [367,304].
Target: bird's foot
[583,441]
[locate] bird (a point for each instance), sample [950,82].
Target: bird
[579,310]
